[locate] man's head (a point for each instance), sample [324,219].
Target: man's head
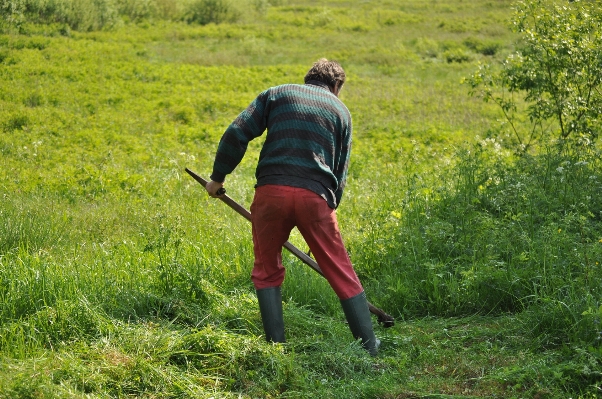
[329,72]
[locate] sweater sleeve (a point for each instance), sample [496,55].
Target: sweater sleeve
[250,124]
[342,166]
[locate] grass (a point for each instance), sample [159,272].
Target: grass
[120,278]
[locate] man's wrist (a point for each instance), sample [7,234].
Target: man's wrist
[218,177]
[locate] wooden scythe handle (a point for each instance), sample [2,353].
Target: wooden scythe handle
[383,318]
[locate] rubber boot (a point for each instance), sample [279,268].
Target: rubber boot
[358,316]
[270,306]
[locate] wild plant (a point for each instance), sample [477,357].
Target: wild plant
[553,78]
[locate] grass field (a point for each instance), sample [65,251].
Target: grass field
[121,278]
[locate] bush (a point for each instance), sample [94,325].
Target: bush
[15,122]
[490,234]
[456,55]
[91,15]
[138,10]
[82,15]
[427,47]
[211,11]
[488,47]
[557,72]
[168,9]
[11,13]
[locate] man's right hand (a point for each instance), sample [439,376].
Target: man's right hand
[213,187]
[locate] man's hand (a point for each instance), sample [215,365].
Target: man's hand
[215,189]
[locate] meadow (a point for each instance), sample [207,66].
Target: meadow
[121,278]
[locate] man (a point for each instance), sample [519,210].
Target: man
[301,174]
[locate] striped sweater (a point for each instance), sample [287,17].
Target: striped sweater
[307,145]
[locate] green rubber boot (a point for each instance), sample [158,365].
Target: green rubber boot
[358,316]
[270,306]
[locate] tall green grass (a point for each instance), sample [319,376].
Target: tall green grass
[490,234]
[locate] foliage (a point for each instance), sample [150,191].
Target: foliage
[140,10]
[488,234]
[11,12]
[96,15]
[211,11]
[77,14]
[557,71]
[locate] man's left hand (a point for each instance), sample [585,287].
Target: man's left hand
[213,187]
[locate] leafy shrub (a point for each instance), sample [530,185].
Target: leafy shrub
[427,47]
[33,100]
[11,13]
[168,9]
[137,10]
[4,56]
[82,15]
[15,122]
[183,114]
[557,73]
[211,11]
[322,18]
[491,234]
[456,55]
[482,47]
[261,6]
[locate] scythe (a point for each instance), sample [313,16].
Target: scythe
[383,318]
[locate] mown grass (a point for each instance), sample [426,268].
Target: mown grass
[120,278]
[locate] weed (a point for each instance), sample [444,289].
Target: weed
[16,122]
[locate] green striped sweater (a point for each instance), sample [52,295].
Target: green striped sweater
[307,145]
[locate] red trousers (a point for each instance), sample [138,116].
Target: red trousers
[275,211]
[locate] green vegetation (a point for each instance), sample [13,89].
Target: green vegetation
[558,71]
[120,278]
